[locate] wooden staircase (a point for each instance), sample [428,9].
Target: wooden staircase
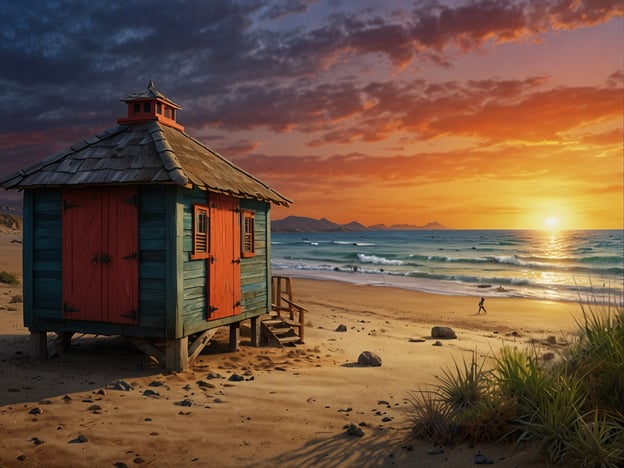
[285,323]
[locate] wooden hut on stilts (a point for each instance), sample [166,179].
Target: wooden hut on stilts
[143,231]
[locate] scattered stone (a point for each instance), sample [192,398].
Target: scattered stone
[416,340]
[94,408]
[363,424]
[345,410]
[382,402]
[79,440]
[367,358]
[218,400]
[204,384]
[386,419]
[341,328]
[36,441]
[101,391]
[480,459]
[122,385]
[354,430]
[17,299]
[445,333]
[21,457]
[279,368]
[484,286]
[236,378]
[186,388]
[148,419]
[185,402]
[36,411]
[151,393]
[548,356]
[120,465]
[515,334]
[45,402]
[551,339]
[138,460]
[437,343]
[435,451]
[214,375]
[156,383]
[67,399]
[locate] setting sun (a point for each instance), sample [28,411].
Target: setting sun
[551,222]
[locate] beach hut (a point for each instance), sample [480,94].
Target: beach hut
[145,232]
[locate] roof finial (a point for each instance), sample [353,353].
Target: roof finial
[151,85]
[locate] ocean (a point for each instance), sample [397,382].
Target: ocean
[576,266]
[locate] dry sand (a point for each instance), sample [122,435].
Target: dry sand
[293,404]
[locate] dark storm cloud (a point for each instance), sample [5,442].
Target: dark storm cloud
[234,64]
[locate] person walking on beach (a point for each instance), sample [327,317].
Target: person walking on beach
[481,306]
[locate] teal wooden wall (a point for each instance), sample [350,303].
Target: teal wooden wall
[256,270]
[43,253]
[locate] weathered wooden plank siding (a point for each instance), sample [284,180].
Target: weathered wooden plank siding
[254,276]
[47,254]
[152,257]
[195,271]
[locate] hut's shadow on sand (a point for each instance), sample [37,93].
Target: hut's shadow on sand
[91,363]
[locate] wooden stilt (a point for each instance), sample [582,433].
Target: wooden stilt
[234,336]
[38,345]
[176,354]
[255,331]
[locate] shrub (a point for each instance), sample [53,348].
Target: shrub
[573,409]
[464,387]
[8,278]
[432,418]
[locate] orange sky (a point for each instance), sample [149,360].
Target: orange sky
[476,114]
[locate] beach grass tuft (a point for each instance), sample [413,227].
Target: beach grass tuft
[8,278]
[572,410]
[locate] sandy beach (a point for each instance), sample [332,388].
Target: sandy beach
[103,403]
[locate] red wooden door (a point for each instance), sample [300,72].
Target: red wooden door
[224,264]
[100,255]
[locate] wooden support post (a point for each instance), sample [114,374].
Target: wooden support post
[234,336]
[176,354]
[255,331]
[38,345]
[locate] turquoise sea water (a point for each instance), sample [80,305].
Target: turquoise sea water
[563,265]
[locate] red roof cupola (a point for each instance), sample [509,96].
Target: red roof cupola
[151,105]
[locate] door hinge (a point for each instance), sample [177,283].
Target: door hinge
[132,256]
[68,205]
[212,309]
[131,200]
[237,304]
[69,310]
[132,315]
[236,260]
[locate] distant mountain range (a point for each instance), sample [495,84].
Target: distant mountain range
[304,224]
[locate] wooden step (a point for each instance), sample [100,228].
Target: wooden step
[270,322]
[288,339]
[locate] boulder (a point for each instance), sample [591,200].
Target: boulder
[444,333]
[366,358]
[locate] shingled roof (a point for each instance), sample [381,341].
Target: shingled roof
[146,152]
